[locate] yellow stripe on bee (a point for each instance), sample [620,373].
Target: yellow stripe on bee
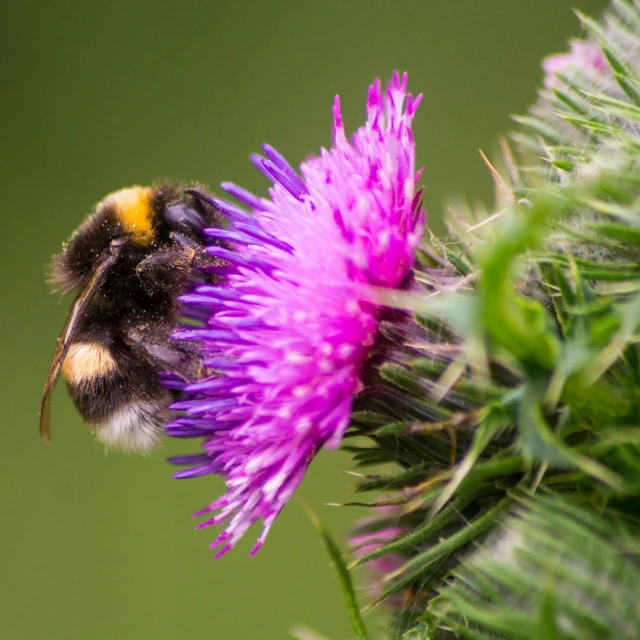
[133,208]
[87,361]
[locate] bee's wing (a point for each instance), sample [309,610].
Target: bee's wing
[79,307]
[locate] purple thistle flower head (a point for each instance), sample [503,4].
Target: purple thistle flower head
[585,56]
[289,329]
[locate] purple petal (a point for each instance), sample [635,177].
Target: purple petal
[242,195]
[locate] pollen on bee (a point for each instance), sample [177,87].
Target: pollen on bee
[86,361]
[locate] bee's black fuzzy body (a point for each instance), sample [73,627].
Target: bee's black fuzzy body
[129,260]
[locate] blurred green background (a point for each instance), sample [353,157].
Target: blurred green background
[98,96]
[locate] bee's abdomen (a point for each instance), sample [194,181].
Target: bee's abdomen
[117,393]
[87,364]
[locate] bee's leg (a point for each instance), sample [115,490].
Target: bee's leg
[185,241]
[181,358]
[166,268]
[200,258]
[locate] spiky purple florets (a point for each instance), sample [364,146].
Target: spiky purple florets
[290,328]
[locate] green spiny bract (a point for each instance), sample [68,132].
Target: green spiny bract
[512,370]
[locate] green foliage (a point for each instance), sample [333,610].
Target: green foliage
[553,571]
[511,371]
[344,578]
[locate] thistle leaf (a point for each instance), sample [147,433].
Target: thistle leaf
[344,577]
[535,578]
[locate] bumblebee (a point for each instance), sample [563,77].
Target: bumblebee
[129,261]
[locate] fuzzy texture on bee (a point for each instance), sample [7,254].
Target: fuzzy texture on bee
[129,261]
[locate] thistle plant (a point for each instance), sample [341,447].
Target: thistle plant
[505,402]
[486,383]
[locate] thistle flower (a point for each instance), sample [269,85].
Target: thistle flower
[290,327]
[371,534]
[585,57]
